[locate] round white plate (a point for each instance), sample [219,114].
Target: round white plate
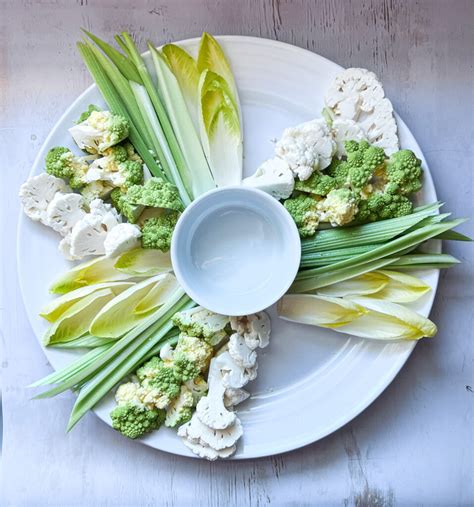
[310,381]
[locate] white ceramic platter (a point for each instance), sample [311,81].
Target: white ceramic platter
[310,381]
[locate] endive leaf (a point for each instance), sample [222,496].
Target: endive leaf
[389,321]
[76,320]
[211,57]
[317,310]
[54,309]
[197,178]
[368,283]
[401,288]
[143,262]
[97,270]
[157,296]
[185,69]
[118,316]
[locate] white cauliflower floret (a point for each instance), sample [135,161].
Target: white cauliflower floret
[65,248]
[64,211]
[100,131]
[342,130]
[197,432]
[204,451]
[121,238]
[254,328]
[108,214]
[96,190]
[233,396]
[179,411]
[198,387]
[240,352]
[87,237]
[358,95]
[339,207]
[306,147]
[273,177]
[128,393]
[36,194]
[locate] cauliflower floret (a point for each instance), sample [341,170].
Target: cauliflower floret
[65,248]
[273,177]
[121,238]
[128,393]
[255,328]
[96,190]
[344,129]
[339,208]
[198,387]
[87,237]
[64,211]
[306,147]
[36,194]
[358,95]
[109,216]
[101,130]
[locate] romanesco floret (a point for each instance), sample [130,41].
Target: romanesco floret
[120,202]
[157,231]
[338,170]
[380,206]
[62,163]
[101,130]
[304,211]
[403,173]
[156,193]
[91,108]
[180,410]
[202,323]
[96,190]
[133,420]
[362,161]
[132,171]
[339,208]
[184,368]
[195,350]
[318,184]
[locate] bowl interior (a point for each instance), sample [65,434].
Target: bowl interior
[235,251]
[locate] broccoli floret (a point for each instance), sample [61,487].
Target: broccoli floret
[133,420]
[180,409]
[156,193]
[201,323]
[157,231]
[62,163]
[318,184]
[362,161]
[304,211]
[120,202]
[87,113]
[101,130]
[403,173]
[339,207]
[382,206]
[195,350]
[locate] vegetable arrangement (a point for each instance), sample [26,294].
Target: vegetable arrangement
[173,130]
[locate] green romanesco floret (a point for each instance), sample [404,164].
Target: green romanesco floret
[201,323]
[132,172]
[318,184]
[338,170]
[90,109]
[339,207]
[180,410]
[403,173]
[62,163]
[195,350]
[380,206]
[362,162]
[160,383]
[184,368]
[304,211]
[120,202]
[133,420]
[157,231]
[156,193]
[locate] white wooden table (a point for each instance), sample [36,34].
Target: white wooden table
[414,445]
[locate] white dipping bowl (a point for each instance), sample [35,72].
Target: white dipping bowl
[235,250]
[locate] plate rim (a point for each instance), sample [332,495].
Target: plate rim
[374,393]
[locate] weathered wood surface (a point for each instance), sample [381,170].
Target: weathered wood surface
[414,445]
